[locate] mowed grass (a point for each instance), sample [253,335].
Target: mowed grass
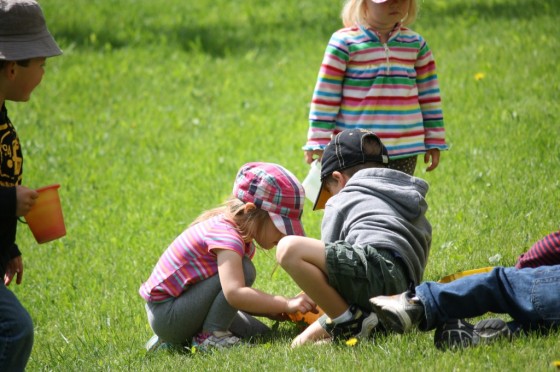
[154,106]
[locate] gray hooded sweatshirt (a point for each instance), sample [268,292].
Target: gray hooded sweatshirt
[385,209]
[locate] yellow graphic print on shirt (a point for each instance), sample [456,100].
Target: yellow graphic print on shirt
[11,159]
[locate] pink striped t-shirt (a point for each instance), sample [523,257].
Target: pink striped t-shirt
[190,258]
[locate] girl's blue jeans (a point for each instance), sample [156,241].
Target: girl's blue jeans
[16,332]
[530,296]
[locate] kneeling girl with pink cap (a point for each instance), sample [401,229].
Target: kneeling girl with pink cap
[200,290]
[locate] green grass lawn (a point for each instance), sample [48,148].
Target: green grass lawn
[147,116]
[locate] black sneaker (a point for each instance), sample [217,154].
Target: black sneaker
[398,313]
[454,334]
[489,330]
[360,326]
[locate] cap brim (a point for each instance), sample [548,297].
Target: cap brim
[322,198]
[287,226]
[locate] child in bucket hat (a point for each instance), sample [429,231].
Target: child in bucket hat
[375,237]
[25,43]
[203,280]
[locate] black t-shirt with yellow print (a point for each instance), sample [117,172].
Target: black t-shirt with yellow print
[11,168]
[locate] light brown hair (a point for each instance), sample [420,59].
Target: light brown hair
[247,222]
[354,13]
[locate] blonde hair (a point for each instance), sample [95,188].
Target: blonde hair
[355,12]
[247,222]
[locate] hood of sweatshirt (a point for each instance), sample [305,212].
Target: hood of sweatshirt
[383,208]
[405,194]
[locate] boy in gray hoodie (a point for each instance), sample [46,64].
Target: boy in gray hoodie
[375,238]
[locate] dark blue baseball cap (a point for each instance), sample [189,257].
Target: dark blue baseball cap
[344,151]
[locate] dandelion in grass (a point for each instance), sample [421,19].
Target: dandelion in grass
[352,342]
[479,76]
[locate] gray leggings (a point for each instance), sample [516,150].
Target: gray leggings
[203,306]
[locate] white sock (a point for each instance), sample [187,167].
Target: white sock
[346,316]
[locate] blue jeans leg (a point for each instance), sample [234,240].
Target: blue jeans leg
[16,332]
[530,296]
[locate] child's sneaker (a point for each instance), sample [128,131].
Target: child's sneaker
[398,313]
[217,339]
[454,334]
[489,330]
[360,326]
[458,334]
[155,343]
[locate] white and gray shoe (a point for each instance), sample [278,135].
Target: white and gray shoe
[398,313]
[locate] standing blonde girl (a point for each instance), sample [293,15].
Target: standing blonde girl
[200,290]
[379,75]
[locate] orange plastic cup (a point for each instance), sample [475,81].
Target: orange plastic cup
[45,217]
[304,320]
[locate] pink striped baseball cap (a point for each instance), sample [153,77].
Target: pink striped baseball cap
[274,189]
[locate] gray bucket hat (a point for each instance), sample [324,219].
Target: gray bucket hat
[23,31]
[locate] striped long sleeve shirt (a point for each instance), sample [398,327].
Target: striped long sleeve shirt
[390,88]
[544,252]
[190,258]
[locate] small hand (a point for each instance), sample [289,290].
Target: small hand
[26,198]
[311,155]
[14,267]
[302,303]
[282,317]
[431,157]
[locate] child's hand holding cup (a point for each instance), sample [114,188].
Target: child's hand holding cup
[45,218]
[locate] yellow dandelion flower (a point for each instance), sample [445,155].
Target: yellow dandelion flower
[352,342]
[479,76]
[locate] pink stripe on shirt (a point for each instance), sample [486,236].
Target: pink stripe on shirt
[190,258]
